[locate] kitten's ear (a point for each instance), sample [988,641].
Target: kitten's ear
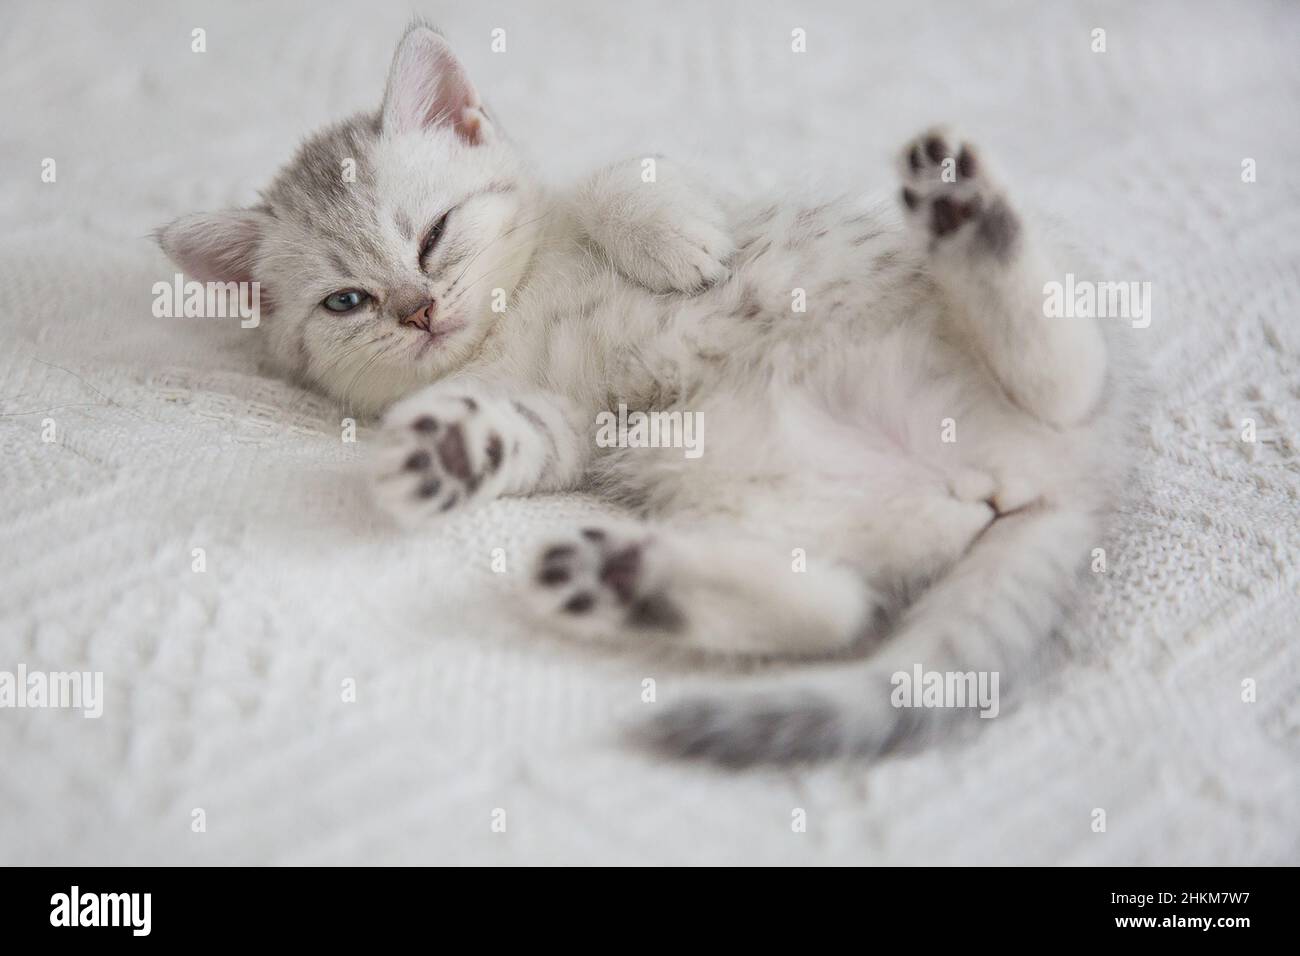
[215,246]
[428,88]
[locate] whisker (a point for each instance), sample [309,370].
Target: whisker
[347,392]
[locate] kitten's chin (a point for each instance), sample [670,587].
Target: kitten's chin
[435,341]
[368,385]
[380,386]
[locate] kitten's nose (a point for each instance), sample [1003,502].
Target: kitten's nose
[422,318]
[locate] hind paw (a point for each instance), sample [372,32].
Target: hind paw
[950,198]
[601,580]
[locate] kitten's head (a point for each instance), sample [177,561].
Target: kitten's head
[379,246]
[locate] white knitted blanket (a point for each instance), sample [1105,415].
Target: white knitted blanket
[224,689]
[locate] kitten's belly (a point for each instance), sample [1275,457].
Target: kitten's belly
[809,290]
[821,362]
[825,305]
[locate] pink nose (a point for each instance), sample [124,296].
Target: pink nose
[422,318]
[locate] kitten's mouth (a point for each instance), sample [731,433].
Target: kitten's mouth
[436,336]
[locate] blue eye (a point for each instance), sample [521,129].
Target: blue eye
[345,301]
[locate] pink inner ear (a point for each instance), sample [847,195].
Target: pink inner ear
[215,247]
[428,88]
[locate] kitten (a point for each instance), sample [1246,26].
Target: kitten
[939,453]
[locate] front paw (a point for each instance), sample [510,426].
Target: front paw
[950,198]
[687,254]
[440,449]
[667,234]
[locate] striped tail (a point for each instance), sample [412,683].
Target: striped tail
[992,613]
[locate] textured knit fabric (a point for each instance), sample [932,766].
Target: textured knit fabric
[225,689]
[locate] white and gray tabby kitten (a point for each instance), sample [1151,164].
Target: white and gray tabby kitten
[825,428]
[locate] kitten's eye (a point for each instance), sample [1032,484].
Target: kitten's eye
[345,301]
[434,235]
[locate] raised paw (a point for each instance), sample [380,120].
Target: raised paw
[668,233]
[686,253]
[601,580]
[440,450]
[949,196]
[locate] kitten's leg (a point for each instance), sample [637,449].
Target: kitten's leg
[729,596]
[460,442]
[993,272]
[668,234]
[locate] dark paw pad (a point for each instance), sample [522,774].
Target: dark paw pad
[966,165]
[620,571]
[936,149]
[580,603]
[559,553]
[453,454]
[494,451]
[553,575]
[556,566]
[948,215]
